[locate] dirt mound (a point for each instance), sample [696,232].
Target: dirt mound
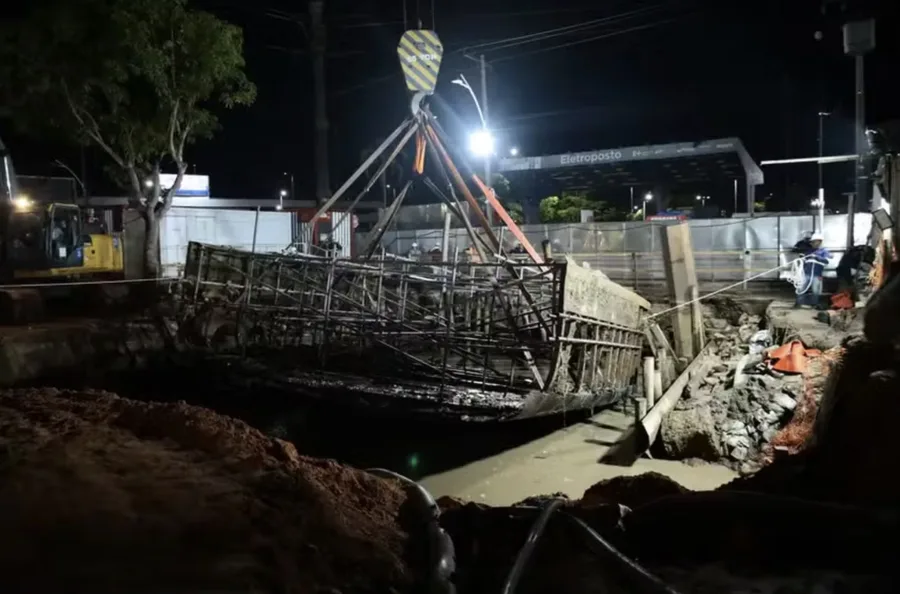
[105,494]
[632,491]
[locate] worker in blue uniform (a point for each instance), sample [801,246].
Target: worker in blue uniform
[817,258]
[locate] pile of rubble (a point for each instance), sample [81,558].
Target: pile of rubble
[734,406]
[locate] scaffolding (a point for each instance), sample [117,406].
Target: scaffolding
[505,334]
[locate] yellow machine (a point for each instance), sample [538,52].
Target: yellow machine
[46,244]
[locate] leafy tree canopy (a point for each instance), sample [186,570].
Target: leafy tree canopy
[135,77]
[567,209]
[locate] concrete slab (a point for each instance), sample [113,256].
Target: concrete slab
[567,461]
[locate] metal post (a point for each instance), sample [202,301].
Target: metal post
[735,194]
[486,122]
[822,115]
[445,238]
[631,192]
[255,229]
[851,212]
[323,183]
[484,113]
[861,194]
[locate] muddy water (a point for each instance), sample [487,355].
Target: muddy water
[493,462]
[364,435]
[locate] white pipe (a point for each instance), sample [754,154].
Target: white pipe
[657,384]
[649,380]
[652,421]
[832,159]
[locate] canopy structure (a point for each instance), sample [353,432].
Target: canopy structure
[682,163]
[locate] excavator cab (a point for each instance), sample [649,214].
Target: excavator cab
[42,241]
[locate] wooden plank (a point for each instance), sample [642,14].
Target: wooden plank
[681,276]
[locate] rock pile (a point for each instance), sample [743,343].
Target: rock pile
[731,410]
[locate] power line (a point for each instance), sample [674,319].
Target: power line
[380,79]
[550,33]
[606,35]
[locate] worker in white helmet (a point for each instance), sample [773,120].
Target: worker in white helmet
[816,258]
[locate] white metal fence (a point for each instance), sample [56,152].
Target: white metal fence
[725,250]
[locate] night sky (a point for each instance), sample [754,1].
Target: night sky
[636,72]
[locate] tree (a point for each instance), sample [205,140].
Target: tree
[567,209]
[516,212]
[137,78]
[500,184]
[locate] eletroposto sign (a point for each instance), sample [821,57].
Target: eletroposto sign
[591,158]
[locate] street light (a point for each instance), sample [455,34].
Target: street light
[461,81]
[481,143]
[281,195]
[514,151]
[291,176]
[702,200]
[647,198]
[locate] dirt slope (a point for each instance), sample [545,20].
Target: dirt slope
[99,493]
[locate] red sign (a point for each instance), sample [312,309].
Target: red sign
[667,218]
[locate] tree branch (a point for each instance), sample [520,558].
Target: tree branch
[62,165]
[92,129]
[173,124]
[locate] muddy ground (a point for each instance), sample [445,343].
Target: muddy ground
[105,494]
[401,436]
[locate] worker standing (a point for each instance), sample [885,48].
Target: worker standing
[817,258]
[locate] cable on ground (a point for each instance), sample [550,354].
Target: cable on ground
[537,529]
[48,285]
[646,581]
[443,554]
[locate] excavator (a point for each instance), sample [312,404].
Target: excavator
[45,249]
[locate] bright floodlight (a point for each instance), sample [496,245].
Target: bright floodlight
[699,197]
[514,151]
[481,143]
[22,202]
[283,193]
[648,197]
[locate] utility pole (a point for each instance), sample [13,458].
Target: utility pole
[822,116]
[317,24]
[484,113]
[486,123]
[859,39]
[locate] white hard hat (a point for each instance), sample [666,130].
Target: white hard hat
[817,237]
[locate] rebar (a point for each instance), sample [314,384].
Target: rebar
[482,326]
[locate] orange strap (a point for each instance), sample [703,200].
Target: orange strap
[419,162]
[507,220]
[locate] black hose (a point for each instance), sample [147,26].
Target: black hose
[643,578]
[443,555]
[537,529]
